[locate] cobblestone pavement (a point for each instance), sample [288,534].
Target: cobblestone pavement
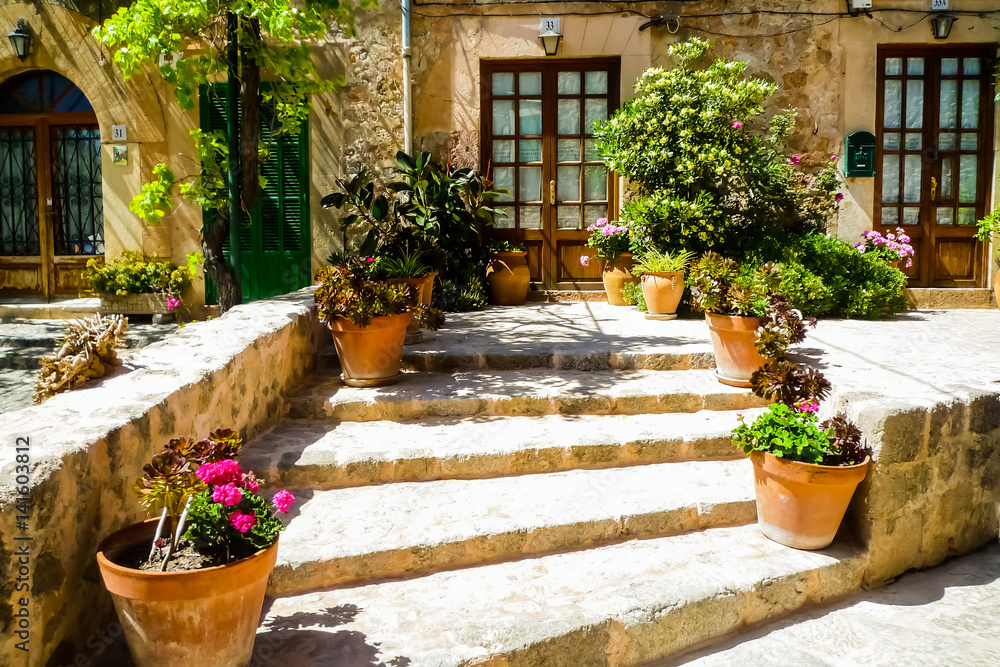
[947,615]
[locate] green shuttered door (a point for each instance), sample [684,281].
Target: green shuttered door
[274,249]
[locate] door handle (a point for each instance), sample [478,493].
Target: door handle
[933,188]
[552,192]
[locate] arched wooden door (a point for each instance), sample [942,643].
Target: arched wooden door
[51,213]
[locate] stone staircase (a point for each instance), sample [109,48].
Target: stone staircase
[547,509]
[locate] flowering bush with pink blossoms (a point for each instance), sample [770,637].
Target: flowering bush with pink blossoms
[889,248]
[608,239]
[211,504]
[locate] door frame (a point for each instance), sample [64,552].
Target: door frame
[545,268]
[928,231]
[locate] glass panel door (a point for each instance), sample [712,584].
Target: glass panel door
[934,131]
[18,193]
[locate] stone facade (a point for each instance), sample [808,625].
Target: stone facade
[87,447]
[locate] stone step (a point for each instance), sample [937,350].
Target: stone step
[511,393]
[408,529]
[321,455]
[22,357]
[624,604]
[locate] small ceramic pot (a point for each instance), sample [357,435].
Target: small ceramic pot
[662,291]
[508,278]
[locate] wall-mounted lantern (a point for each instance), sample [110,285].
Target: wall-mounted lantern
[941,25]
[20,39]
[549,33]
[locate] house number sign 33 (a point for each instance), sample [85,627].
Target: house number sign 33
[939,5]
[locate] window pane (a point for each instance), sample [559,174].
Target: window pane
[569,117]
[503,150]
[568,150]
[970,103]
[595,180]
[911,216]
[945,216]
[503,117]
[596,83]
[890,141]
[890,216]
[914,66]
[893,66]
[913,141]
[504,218]
[597,110]
[949,66]
[568,183]
[893,103]
[949,106]
[592,213]
[590,152]
[569,83]
[531,116]
[890,178]
[967,179]
[530,187]
[946,141]
[971,66]
[530,83]
[530,150]
[504,178]
[531,217]
[914,103]
[970,140]
[911,178]
[503,83]
[568,217]
[966,216]
[946,186]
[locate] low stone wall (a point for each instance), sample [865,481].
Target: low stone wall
[934,491]
[86,448]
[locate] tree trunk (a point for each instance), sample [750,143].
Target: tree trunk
[250,127]
[227,288]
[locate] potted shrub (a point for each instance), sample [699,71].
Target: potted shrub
[131,284]
[611,243]
[805,471]
[368,320]
[662,278]
[408,268]
[988,228]
[507,274]
[189,587]
[891,248]
[749,320]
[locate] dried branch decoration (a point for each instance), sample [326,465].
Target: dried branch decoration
[89,350]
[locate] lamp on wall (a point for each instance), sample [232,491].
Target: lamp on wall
[941,25]
[550,35]
[20,40]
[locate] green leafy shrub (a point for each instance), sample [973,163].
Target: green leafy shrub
[632,295]
[500,245]
[452,298]
[654,261]
[133,273]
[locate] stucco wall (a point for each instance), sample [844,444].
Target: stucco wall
[88,446]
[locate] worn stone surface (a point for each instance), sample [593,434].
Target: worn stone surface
[319,455]
[616,605]
[943,616]
[394,530]
[929,298]
[88,446]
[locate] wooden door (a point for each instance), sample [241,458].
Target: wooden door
[935,138]
[51,212]
[537,142]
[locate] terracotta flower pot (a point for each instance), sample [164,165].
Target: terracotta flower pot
[800,504]
[733,340]
[370,356]
[197,617]
[662,291]
[424,286]
[508,278]
[617,273]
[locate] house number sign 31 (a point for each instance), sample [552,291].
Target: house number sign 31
[118,133]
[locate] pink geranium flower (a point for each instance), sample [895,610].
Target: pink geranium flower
[222,472]
[584,260]
[737,125]
[227,494]
[242,521]
[840,197]
[794,159]
[173,303]
[282,501]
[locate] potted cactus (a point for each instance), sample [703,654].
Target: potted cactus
[189,587]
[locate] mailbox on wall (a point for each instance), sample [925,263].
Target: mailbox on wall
[860,155]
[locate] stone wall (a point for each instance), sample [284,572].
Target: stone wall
[934,491]
[88,446]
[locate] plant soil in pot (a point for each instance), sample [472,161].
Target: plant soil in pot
[508,277]
[734,343]
[370,356]
[617,273]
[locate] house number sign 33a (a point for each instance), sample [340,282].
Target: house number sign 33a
[940,5]
[118,133]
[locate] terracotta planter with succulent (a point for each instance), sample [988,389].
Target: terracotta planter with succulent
[805,471]
[188,587]
[750,322]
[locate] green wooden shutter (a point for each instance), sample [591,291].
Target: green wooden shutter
[275,249]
